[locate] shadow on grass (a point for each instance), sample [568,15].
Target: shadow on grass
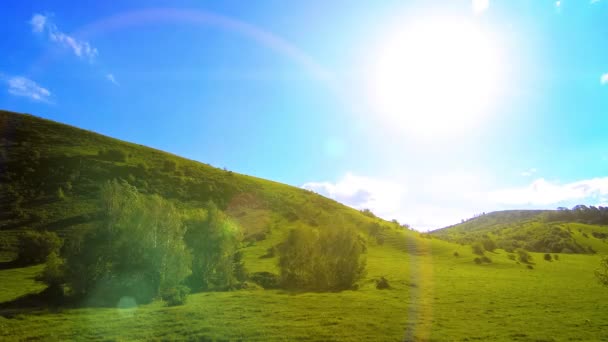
[45,301]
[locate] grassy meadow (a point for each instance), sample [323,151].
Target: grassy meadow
[434,296]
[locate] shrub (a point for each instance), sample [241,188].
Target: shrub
[488,244]
[486,260]
[321,260]
[175,295]
[601,273]
[456,254]
[382,284]
[266,280]
[530,267]
[35,247]
[547,257]
[511,256]
[523,256]
[477,248]
[556,256]
[478,260]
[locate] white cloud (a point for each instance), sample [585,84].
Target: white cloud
[543,192]
[558,4]
[38,23]
[41,24]
[111,78]
[382,197]
[435,201]
[594,1]
[528,172]
[604,79]
[480,6]
[21,86]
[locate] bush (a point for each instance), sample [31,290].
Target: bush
[602,272]
[523,256]
[511,256]
[266,280]
[53,273]
[530,267]
[477,260]
[382,284]
[477,248]
[489,245]
[486,260]
[555,256]
[321,260]
[456,254]
[35,247]
[175,295]
[547,257]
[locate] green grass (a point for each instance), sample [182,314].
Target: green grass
[435,296]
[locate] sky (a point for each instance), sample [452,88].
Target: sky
[428,112]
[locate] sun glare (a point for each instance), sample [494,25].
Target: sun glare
[436,77]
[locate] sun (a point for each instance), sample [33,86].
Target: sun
[436,76]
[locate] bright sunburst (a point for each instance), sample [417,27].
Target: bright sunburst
[436,76]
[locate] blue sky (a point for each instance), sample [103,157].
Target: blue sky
[290,91]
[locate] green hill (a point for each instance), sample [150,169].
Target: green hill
[550,231]
[50,179]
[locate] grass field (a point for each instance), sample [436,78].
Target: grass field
[434,296]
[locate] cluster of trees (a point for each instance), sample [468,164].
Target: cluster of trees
[322,259]
[144,247]
[580,213]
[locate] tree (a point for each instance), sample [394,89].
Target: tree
[136,250]
[35,247]
[602,272]
[329,259]
[213,239]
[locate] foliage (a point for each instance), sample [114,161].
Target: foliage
[35,247]
[213,239]
[547,257]
[266,280]
[523,256]
[136,250]
[175,295]
[477,248]
[329,259]
[601,273]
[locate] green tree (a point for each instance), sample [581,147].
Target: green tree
[213,239]
[137,249]
[329,259]
[35,247]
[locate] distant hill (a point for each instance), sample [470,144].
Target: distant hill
[581,230]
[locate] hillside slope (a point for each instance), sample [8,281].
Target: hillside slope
[533,230]
[50,174]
